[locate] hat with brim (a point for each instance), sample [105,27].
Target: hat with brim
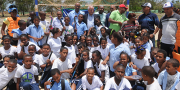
[123,6]
[146,5]
[168,5]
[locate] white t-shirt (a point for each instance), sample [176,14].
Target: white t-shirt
[147,53]
[122,85]
[156,67]
[88,64]
[10,51]
[6,76]
[96,83]
[45,26]
[178,86]
[71,54]
[150,42]
[69,30]
[102,67]
[35,58]
[55,45]
[62,66]
[27,75]
[15,35]
[26,48]
[76,49]
[91,49]
[104,52]
[140,63]
[154,86]
[42,60]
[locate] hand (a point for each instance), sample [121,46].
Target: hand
[48,61]
[130,64]
[120,23]
[64,28]
[21,44]
[48,82]
[151,35]
[158,44]
[47,33]
[104,62]
[75,30]
[35,39]
[77,60]
[135,67]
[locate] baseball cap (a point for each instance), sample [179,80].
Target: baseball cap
[168,5]
[12,8]
[146,4]
[122,5]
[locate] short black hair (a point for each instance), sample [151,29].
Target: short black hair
[81,45]
[46,45]
[149,71]
[154,49]
[97,53]
[174,62]
[20,22]
[66,36]
[120,66]
[32,46]
[87,51]
[54,71]
[80,14]
[66,17]
[9,56]
[24,35]
[36,17]
[118,36]
[26,56]
[90,68]
[62,48]
[102,38]
[163,52]
[13,61]
[126,55]
[54,30]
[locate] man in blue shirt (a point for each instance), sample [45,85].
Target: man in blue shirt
[56,82]
[148,20]
[74,13]
[112,8]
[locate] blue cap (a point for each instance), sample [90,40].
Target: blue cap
[12,8]
[168,5]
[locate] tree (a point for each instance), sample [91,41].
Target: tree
[3,4]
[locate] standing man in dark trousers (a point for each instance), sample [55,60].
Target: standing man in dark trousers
[148,20]
[168,28]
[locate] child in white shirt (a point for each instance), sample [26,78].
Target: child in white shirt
[90,81]
[55,41]
[148,74]
[6,60]
[63,64]
[89,45]
[103,48]
[27,75]
[118,82]
[75,40]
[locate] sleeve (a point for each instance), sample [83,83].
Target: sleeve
[112,16]
[42,32]
[108,85]
[99,82]
[6,21]
[178,86]
[128,85]
[15,50]
[147,54]
[160,24]
[133,70]
[128,51]
[18,74]
[35,70]
[69,64]
[122,27]
[85,27]
[37,47]
[40,61]
[84,83]
[28,30]
[53,23]
[156,20]
[160,78]
[67,86]
[53,57]
[19,49]
[55,65]
[102,67]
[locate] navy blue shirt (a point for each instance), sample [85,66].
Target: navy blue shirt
[148,21]
[107,24]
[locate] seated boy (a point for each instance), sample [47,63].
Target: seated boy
[148,73]
[63,64]
[90,81]
[27,75]
[170,77]
[7,74]
[118,82]
[55,82]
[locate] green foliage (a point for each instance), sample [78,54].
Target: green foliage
[3,4]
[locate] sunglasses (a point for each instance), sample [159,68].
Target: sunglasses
[12,6]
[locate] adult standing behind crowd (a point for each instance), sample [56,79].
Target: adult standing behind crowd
[112,8]
[148,20]
[168,28]
[56,21]
[117,17]
[89,18]
[101,14]
[74,13]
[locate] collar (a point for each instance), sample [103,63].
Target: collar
[35,26]
[119,46]
[75,11]
[90,15]
[148,13]
[171,15]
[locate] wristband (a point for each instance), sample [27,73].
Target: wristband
[153,34]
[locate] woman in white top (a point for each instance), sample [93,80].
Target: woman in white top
[55,42]
[7,49]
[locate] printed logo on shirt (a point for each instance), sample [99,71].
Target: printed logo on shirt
[27,77]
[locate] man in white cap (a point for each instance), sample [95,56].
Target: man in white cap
[148,20]
[168,28]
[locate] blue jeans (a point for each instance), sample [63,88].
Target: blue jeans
[28,86]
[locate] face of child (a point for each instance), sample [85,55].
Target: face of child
[46,50]
[124,59]
[66,20]
[95,58]
[132,34]
[13,13]
[113,39]
[97,21]
[154,53]
[83,39]
[170,69]
[90,74]
[11,66]
[74,40]
[89,41]
[56,77]
[69,40]
[160,58]
[85,56]
[23,26]
[138,42]
[31,50]
[27,62]
[119,73]
[103,32]
[145,39]
[43,16]
[144,76]
[95,41]
[143,31]
[6,60]
[103,44]
[80,18]
[36,22]
[80,50]
[93,32]
[24,40]
[64,53]
[6,42]
[141,55]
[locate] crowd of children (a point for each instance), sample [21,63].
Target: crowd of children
[74,58]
